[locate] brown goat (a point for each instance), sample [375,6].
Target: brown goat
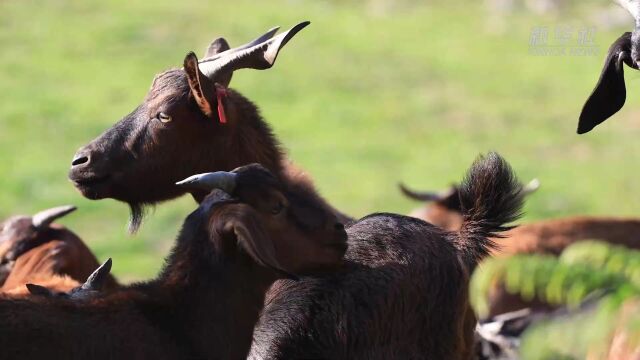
[177,131]
[205,302]
[33,250]
[540,237]
[552,237]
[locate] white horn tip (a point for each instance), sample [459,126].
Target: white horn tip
[190,180]
[46,217]
[533,185]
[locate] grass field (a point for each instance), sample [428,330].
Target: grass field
[368,95]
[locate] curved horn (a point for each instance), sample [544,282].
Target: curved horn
[260,56]
[97,279]
[46,217]
[415,195]
[531,187]
[221,43]
[223,180]
[426,195]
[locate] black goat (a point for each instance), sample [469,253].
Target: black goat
[206,301]
[403,291]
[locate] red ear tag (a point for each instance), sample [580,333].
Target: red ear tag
[221,93]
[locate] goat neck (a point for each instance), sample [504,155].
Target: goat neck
[218,297]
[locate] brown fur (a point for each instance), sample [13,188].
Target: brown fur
[124,162]
[439,215]
[540,237]
[47,255]
[54,283]
[552,237]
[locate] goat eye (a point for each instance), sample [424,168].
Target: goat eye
[163,117]
[277,209]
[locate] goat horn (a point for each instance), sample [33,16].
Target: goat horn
[423,196]
[223,180]
[266,36]
[260,55]
[46,217]
[97,279]
[531,187]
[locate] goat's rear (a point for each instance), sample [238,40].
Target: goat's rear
[491,197]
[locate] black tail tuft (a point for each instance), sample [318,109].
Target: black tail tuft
[491,198]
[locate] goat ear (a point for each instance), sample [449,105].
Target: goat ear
[202,89]
[252,237]
[38,290]
[216,47]
[610,93]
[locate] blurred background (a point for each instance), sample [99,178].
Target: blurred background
[372,93]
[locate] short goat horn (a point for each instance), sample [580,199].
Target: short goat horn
[98,278]
[46,217]
[223,180]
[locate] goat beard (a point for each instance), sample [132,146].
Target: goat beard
[138,211]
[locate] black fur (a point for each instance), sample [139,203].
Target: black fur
[490,198]
[403,292]
[610,92]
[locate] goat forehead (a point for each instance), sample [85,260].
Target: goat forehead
[15,223]
[16,228]
[171,82]
[168,87]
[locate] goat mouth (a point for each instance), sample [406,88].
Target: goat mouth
[90,181]
[91,186]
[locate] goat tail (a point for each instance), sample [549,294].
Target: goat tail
[491,197]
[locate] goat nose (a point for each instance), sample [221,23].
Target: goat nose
[80,159]
[338,226]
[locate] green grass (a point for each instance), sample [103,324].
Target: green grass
[364,97]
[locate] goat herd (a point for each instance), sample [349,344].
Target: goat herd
[264,267]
